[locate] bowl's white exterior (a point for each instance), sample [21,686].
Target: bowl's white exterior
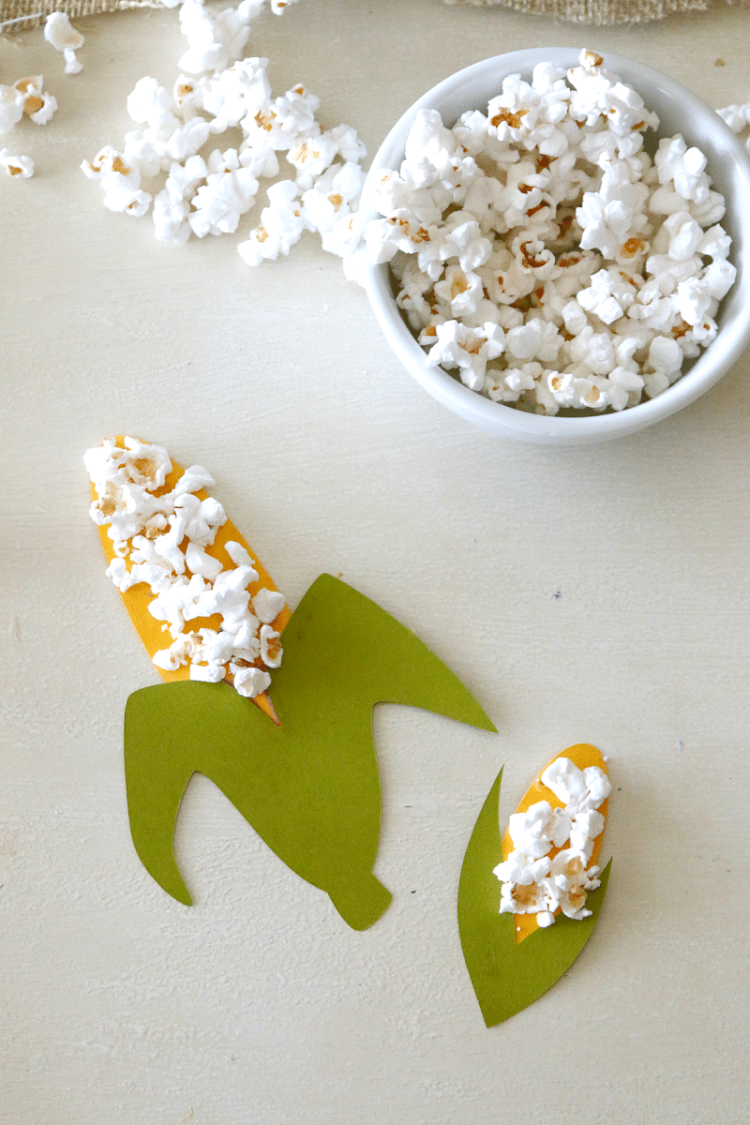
[680,111]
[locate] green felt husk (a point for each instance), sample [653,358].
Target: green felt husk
[508,977]
[310,787]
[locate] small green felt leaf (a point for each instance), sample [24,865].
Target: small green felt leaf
[508,977]
[310,787]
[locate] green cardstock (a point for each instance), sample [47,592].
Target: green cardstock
[508,977]
[310,787]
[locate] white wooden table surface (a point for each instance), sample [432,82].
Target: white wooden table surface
[591,595]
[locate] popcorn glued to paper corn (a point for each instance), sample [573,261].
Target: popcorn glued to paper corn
[548,865]
[183,570]
[544,255]
[550,878]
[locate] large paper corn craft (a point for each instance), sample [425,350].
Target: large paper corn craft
[308,781]
[513,959]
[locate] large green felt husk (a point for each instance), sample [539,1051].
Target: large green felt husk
[508,977]
[310,787]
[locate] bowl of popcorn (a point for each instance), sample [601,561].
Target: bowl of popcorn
[555,245]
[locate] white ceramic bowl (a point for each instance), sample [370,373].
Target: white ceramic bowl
[680,111]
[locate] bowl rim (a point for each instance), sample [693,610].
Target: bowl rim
[707,369]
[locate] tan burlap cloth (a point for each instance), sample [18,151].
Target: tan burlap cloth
[27,13]
[18,15]
[607,11]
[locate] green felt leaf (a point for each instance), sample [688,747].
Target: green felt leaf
[310,787]
[508,977]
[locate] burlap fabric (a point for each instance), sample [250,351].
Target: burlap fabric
[18,15]
[26,13]
[606,11]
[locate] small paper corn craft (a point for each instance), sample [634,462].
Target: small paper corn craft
[518,939]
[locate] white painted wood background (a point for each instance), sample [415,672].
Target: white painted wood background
[589,595]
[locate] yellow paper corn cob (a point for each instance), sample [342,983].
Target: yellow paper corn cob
[582,755]
[138,598]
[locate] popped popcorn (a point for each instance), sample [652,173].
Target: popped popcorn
[20,166]
[548,870]
[160,538]
[120,182]
[229,191]
[27,97]
[60,34]
[737,117]
[543,255]
[208,194]
[281,225]
[11,107]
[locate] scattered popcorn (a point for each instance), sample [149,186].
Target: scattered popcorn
[329,206]
[161,539]
[547,871]
[281,225]
[541,253]
[172,205]
[26,96]
[208,194]
[229,191]
[20,166]
[120,182]
[60,34]
[11,107]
